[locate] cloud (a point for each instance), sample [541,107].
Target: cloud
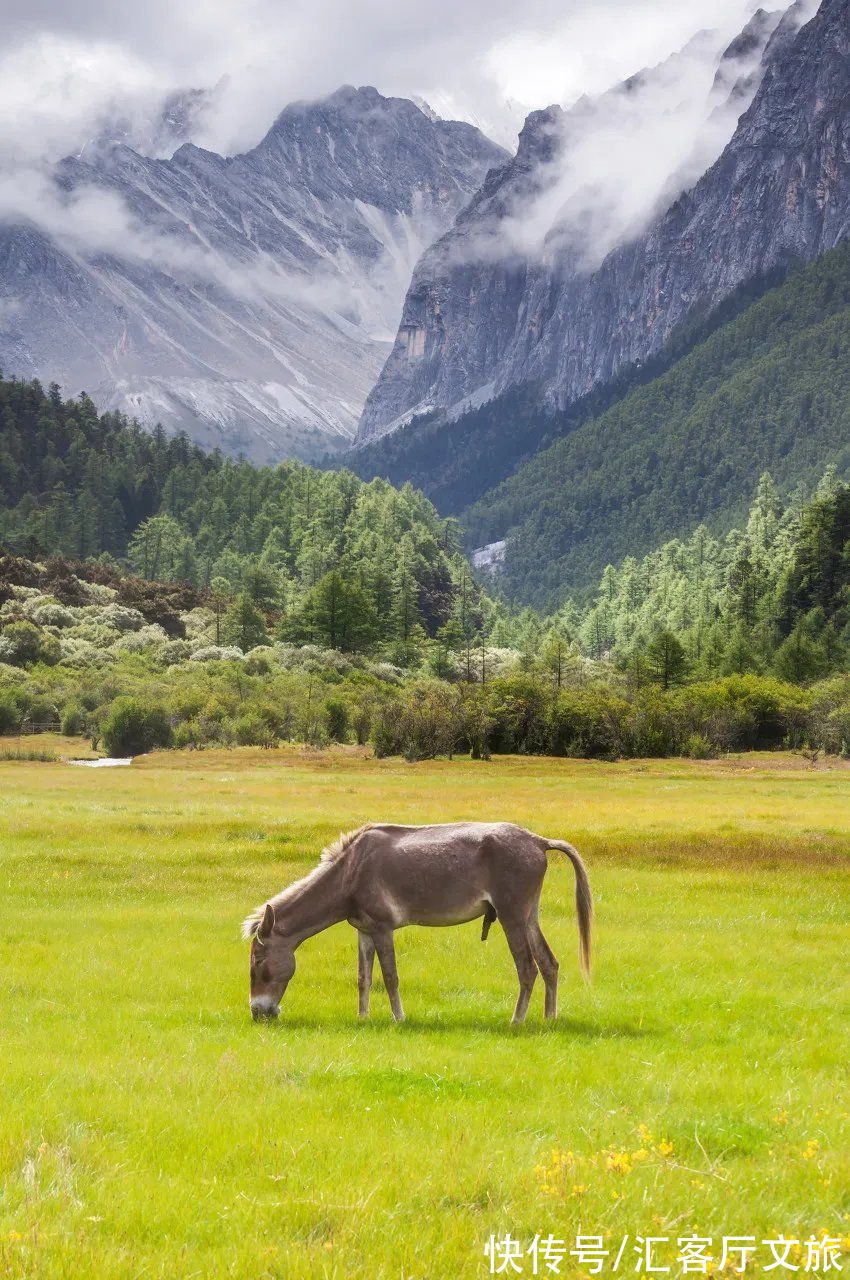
[66,68]
[89,222]
[67,72]
[599,172]
[624,155]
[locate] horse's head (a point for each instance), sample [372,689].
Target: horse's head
[272,964]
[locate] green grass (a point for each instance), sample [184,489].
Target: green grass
[150,1129]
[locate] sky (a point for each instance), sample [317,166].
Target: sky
[65,67]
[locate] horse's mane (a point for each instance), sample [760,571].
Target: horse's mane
[331,854]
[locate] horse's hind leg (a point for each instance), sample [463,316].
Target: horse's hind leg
[546,963]
[516,932]
[365,963]
[386,956]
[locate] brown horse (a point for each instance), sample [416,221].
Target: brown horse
[382,877]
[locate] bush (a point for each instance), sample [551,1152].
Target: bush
[22,645]
[217,653]
[45,612]
[698,747]
[10,716]
[74,722]
[336,720]
[589,723]
[251,730]
[134,726]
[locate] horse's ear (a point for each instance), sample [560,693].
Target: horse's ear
[267,922]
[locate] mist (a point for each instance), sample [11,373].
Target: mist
[68,72]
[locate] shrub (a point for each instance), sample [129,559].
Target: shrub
[10,716]
[251,730]
[217,653]
[74,722]
[336,720]
[121,618]
[588,723]
[259,661]
[45,612]
[698,747]
[22,645]
[134,726]
[29,753]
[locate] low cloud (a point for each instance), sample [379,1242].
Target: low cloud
[69,74]
[66,70]
[89,222]
[614,161]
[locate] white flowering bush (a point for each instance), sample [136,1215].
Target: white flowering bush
[386,671]
[312,657]
[47,612]
[98,592]
[174,652]
[77,652]
[218,653]
[151,636]
[199,624]
[120,618]
[93,632]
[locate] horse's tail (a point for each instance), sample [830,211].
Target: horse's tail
[584,900]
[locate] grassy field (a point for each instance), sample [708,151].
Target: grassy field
[148,1128]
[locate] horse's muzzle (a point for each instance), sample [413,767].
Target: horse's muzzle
[264,1010]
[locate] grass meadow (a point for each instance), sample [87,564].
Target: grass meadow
[150,1129]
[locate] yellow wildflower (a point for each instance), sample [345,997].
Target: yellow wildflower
[618,1162]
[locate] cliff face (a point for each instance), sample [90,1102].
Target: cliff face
[250,300]
[477,321]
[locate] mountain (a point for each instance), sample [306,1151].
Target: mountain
[767,390]
[568,312]
[248,300]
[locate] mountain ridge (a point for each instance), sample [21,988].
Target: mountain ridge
[480,327]
[206,291]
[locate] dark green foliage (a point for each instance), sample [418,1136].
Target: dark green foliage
[253,730]
[666,660]
[336,720]
[320,556]
[771,597]
[769,389]
[244,625]
[454,463]
[134,726]
[74,722]
[78,482]
[338,613]
[10,716]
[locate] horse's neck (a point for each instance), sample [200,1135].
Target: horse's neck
[317,906]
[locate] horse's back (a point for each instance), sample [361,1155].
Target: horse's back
[442,873]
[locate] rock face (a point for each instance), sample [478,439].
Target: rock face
[249,300]
[476,321]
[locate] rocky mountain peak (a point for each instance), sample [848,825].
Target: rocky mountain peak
[478,321]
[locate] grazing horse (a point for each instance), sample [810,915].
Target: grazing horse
[382,877]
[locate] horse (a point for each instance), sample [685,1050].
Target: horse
[382,877]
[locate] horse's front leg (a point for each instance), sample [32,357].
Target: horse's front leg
[385,947]
[365,964]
